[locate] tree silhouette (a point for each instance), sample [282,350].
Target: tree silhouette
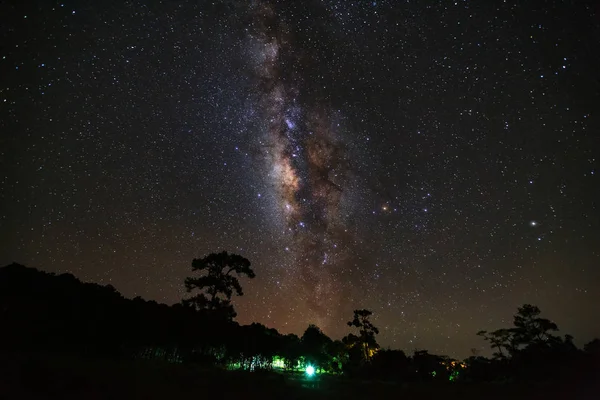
[501,340]
[315,345]
[427,366]
[59,314]
[390,365]
[338,356]
[367,332]
[530,328]
[218,283]
[593,347]
[291,350]
[528,350]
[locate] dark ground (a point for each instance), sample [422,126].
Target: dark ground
[44,377]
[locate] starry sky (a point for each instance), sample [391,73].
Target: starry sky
[433,161]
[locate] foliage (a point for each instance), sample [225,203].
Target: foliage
[501,340]
[60,314]
[390,365]
[530,328]
[528,350]
[290,350]
[218,282]
[315,346]
[367,331]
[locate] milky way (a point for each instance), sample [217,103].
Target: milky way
[305,160]
[433,161]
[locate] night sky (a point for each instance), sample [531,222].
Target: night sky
[433,161]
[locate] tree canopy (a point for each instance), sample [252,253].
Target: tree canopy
[365,344]
[218,282]
[46,313]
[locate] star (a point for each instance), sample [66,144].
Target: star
[296,132]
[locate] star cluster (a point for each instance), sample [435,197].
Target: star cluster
[435,162]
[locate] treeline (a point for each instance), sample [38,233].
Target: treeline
[42,312]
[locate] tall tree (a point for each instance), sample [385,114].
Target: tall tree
[367,332]
[218,282]
[315,344]
[530,328]
[291,350]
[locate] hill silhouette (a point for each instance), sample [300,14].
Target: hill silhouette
[47,316]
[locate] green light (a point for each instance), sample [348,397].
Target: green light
[453,376]
[310,370]
[278,362]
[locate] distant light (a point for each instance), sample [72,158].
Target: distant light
[533,223]
[310,370]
